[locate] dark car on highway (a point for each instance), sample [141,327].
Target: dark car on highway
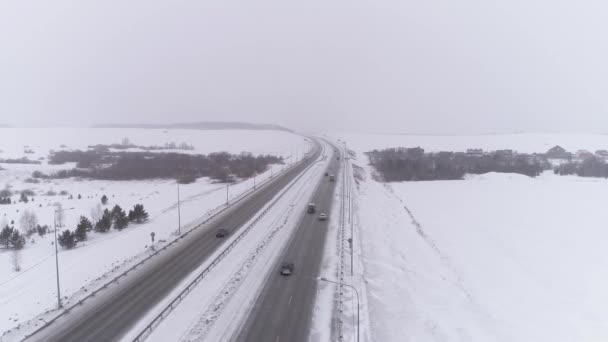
[287,268]
[221,233]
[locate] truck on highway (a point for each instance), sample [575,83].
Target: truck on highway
[332,178]
[312,208]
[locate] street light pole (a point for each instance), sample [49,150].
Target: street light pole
[227,184]
[57,255]
[57,260]
[179,213]
[356,292]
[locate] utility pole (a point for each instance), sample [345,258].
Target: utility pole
[227,184]
[57,261]
[57,255]
[179,213]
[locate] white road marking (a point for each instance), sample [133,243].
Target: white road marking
[277,340]
[289,301]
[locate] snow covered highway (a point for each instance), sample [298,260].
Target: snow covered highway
[283,310]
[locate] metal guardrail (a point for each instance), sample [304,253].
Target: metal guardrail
[342,239]
[145,333]
[223,207]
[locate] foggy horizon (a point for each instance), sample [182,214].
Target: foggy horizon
[388,67]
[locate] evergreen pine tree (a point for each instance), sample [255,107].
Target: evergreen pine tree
[82,228]
[17,240]
[5,235]
[67,239]
[105,223]
[138,215]
[121,220]
[116,211]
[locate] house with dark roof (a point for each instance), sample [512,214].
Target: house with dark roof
[558,152]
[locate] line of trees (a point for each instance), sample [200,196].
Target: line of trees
[590,167]
[185,168]
[116,218]
[401,164]
[11,238]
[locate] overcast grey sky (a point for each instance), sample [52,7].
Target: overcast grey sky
[439,66]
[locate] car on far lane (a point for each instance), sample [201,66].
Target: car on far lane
[323,217]
[287,268]
[221,233]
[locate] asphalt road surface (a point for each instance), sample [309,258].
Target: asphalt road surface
[283,310]
[113,312]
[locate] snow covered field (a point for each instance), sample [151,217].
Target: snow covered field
[31,291]
[495,257]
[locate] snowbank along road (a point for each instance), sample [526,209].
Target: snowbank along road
[108,316]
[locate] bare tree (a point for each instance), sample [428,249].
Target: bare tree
[28,222]
[16,259]
[59,216]
[96,213]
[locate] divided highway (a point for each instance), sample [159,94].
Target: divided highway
[113,312]
[283,310]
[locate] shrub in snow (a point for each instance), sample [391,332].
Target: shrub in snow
[38,174]
[16,260]
[6,192]
[104,199]
[23,198]
[42,230]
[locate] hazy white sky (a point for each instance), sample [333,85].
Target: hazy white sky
[439,66]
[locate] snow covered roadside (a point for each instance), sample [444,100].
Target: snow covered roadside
[215,308]
[25,294]
[496,257]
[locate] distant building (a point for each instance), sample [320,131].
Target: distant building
[558,152]
[583,154]
[602,153]
[445,154]
[415,152]
[504,153]
[475,152]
